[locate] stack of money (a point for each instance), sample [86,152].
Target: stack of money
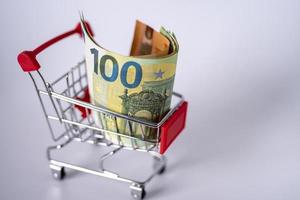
[139,85]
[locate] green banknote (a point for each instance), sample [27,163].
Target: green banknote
[139,85]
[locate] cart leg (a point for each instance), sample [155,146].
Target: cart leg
[138,191]
[58,172]
[159,163]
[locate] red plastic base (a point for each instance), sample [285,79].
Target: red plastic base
[172,127]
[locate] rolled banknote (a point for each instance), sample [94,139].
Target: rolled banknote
[139,85]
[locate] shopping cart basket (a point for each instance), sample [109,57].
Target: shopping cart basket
[66,102]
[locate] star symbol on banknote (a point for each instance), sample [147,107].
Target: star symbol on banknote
[158,74]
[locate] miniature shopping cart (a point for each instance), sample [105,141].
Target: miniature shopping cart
[66,103]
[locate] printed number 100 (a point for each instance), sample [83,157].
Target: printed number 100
[115,69]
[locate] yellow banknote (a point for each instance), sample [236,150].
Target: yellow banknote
[139,85]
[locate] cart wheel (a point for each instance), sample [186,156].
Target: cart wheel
[58,173]
[162,170]
[157,163]
[138,191]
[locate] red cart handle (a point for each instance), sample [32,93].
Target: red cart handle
[27,59]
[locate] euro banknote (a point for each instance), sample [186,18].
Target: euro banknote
[139,85]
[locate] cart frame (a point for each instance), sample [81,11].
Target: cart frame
[71,108]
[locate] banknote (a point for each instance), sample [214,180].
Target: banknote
[148,42]
[139,85]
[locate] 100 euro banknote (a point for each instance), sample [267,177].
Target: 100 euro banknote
[139,85]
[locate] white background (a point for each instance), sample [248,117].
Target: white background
[238,67]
